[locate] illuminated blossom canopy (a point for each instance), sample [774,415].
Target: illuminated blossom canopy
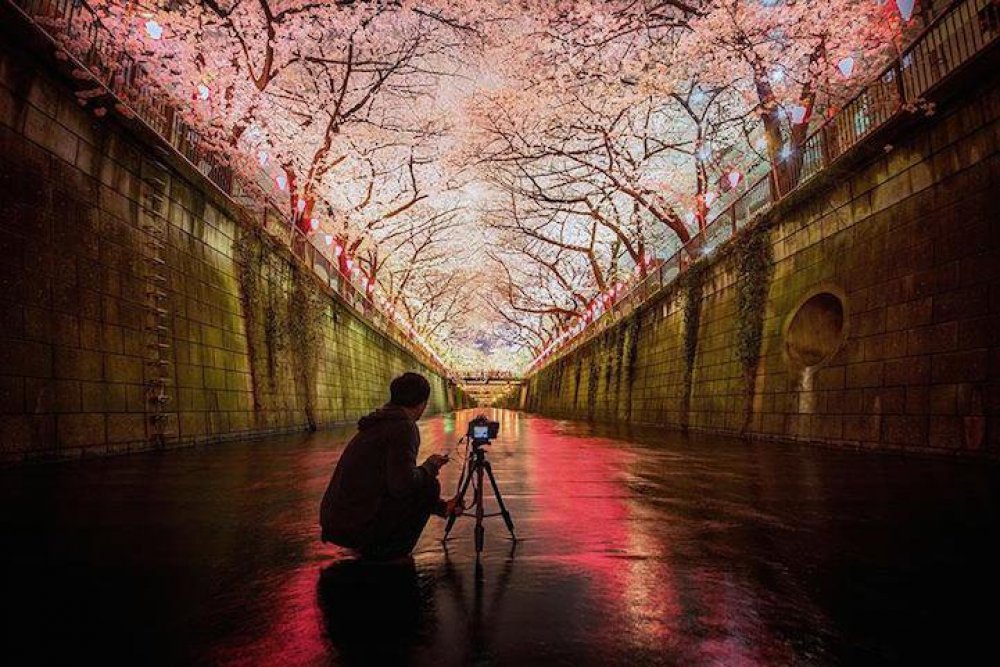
[492,166]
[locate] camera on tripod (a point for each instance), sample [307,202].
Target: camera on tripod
[476,473]
[482,430]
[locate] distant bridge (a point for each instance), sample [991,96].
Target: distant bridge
[487,387]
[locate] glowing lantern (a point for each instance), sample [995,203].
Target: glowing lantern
[846,66]
[710,198]
[313,224]
[282,181]
[797,113]
[328,239]
[349,263]
[905,8]
[734,178]
[262,158]
[203,91]
[300,205]
[154,29]
[338,251]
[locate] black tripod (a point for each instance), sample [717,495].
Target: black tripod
[473,474]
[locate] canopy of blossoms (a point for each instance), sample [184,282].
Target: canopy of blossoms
[492,166]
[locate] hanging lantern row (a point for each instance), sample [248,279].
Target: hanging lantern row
[599,305]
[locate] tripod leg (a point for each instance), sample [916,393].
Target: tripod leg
[461,496]
[480,531]
[503,508]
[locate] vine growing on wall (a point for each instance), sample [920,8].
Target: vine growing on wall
[576,383]
[609,367]
[307,309]
[631,327]
[284,311]
[275,325]
[619,361]
[250,251]
[755,264]
[694,283]
[592,386]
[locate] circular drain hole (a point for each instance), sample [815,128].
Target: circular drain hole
[816,330]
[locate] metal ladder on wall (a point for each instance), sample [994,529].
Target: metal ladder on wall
[157,334]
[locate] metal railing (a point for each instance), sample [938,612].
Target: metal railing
[962,31]
[74,29]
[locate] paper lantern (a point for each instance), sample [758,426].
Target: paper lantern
[846,66]
[797,113]
[905,8]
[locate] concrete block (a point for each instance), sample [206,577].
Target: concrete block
[946,432]
[26,358]
[11,395]
[979,332]
[126,427]
[905,430]
[909,314]
[890,345]
[123,369]
[45,131]
[192,424]
[943,399]
[927,340]
[94,396]
[865,374]
[970,366]
[80,430]
[917,400]
[967,302]
[16,434]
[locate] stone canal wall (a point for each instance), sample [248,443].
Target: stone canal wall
[876,322]
[116,272]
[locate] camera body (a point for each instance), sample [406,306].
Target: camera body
[482,430]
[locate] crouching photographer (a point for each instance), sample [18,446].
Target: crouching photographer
[379,500]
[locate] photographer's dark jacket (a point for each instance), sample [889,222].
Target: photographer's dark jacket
[376,479]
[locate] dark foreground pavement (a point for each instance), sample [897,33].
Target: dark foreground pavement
[637,548]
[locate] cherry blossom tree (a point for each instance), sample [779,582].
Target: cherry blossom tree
[492,168]
[789,58]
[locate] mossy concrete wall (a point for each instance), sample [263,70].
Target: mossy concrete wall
[75,355]
[908,238]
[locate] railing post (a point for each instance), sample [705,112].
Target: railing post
[825,145]
[773,190]
[897,73]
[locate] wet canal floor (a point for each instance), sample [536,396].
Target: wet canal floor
[637,548]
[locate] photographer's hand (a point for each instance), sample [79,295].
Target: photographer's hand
[454,506]
[434,462]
